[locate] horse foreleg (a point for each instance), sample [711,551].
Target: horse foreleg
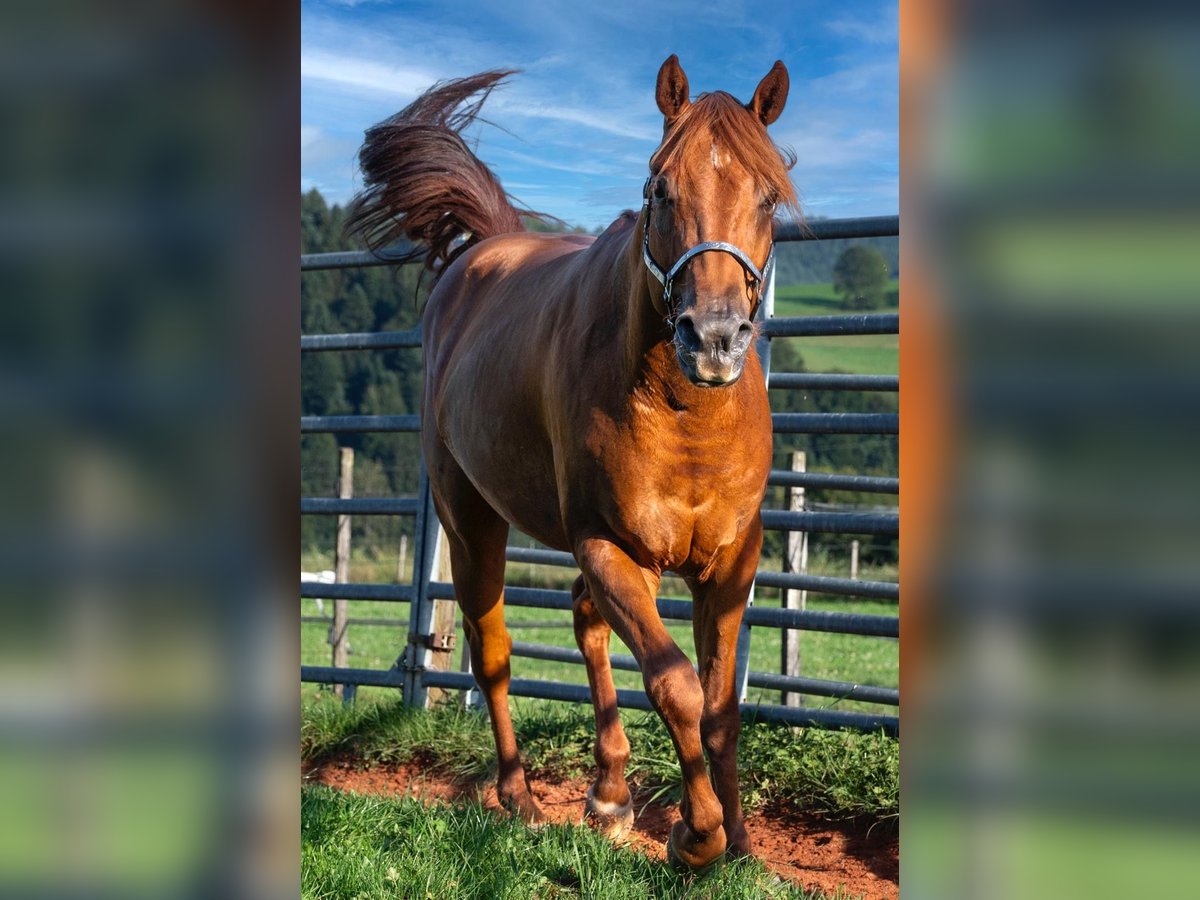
[716,618]
[609,804]
[624,594]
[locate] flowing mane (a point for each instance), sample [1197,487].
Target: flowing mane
[719,116]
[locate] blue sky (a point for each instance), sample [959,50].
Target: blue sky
[581,120]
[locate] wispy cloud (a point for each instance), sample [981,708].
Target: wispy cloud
[541,162]
[364,74]
[599,120]
[355,73]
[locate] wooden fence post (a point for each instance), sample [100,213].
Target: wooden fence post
[341,567]
[796,561]
[402,559]
[442,635]
[854,560]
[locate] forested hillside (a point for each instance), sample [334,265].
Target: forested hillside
[387,298]
[811,262]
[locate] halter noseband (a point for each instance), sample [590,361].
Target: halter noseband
[667,279]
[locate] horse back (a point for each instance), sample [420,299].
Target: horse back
[498,328]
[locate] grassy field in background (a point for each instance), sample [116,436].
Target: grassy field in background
[838,657]
[863,354]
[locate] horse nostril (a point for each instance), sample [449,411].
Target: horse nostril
[744,333]
[686,334]
[735,336]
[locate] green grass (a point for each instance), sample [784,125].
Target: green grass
[364,847]
[839,774]
[864,354]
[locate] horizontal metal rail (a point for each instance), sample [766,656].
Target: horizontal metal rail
[577,693]
[311,424]
[540,557]
[830,522]
[842,690]
[832,481]
[365,677]
[396,254]
[883,590]
[396,623]
[553,690]
[370,340]
[358,506]
[783,423]
[824,584]
[828,326]
[831,381]
[835,423]
[837,229]
[806,619]
[784,232]
[323,591]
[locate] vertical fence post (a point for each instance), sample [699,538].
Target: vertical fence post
[341,566]
[431,632]
[424,539]
[402,558]
[854,560]
[766,309]
[441,637]
[796,561]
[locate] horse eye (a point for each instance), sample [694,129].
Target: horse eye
[771,200]
[660,189]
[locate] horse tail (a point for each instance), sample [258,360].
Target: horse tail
[422,181]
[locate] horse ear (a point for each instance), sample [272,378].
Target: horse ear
[672,90]
[771,94]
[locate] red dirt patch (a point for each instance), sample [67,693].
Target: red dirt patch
[806,850]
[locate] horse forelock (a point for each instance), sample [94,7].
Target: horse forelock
[717,124]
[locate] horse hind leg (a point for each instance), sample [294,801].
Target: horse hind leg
[609,803]
[477,537]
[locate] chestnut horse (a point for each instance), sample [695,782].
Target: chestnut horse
[604,396]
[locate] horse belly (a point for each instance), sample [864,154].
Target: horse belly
[502,448]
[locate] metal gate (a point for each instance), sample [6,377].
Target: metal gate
[422,665]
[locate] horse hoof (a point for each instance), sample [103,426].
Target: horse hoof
[527,810]
[684,868]
[701,858]
[611,820]
[737,843]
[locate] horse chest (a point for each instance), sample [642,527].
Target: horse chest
[680,506]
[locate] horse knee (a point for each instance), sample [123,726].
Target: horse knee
[720,736]
[674,690]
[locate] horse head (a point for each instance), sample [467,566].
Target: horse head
[716,182]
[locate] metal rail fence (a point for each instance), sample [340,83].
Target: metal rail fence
[416,672]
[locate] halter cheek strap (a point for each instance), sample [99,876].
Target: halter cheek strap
[667,279]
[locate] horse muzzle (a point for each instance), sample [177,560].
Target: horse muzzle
[712,349]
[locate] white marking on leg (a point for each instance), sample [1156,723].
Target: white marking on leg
[604,808]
